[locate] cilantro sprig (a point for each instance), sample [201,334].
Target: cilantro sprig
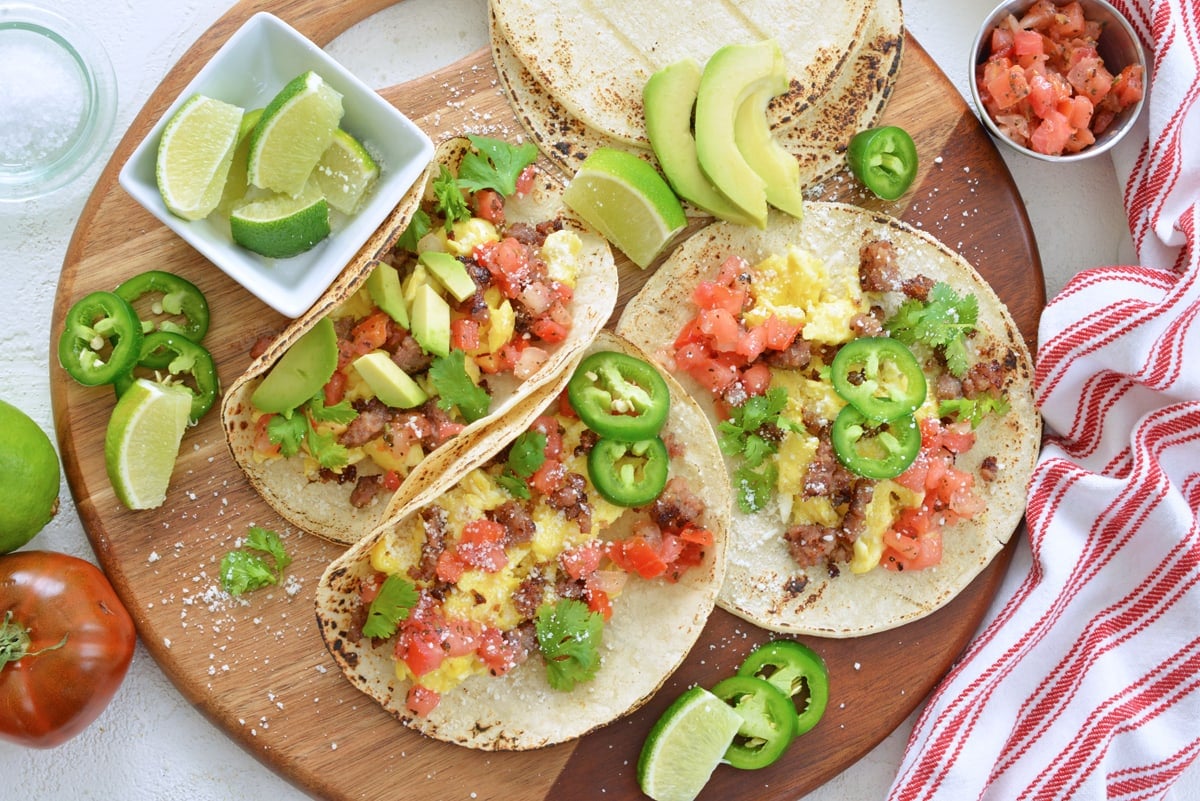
[973,409]
[456,389]
[526,454]
[491,164]
[944,321]
[418,226]
[569,634]
[295,430]
[751,434]
[397,595]
[247,569]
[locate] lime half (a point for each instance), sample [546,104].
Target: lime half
[295,130]
[628,201]
[345,172]
[142,441]
[194,155]
[685,746]
[282,226]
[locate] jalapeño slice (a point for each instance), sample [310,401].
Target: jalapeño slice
[878,376]
[629,473]
[173,296]
[185,359]
[875,449]
[101,339]
[768,721]
[619,396]
[884,159]
[798,671]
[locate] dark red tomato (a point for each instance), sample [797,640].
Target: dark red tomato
[489,205]
[65,645]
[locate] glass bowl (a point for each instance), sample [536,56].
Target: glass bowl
[58,99]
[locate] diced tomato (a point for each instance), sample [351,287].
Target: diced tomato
[694,534]
[779,334]
[489,205]
[714,295]
[756,379]
[548,330]
[335,388]
[1128,86]
[548,478]
[581,561]
[481,545]
[1043,95]
[635,555]
[1078,111]
[720,327]
[421,700]
[1005,83]
[598,601]
[368,587]
[752,342]
[1051,134]
[262,440]
[497,652]
[1027,43]
[370,333]
[464,334]
[1002,42]
[445,429]
[732,270]
[508,261]
[525,180]
[391,481]
[530,361]
[1089,78]
[1068,21]
[450,566]
[548,426]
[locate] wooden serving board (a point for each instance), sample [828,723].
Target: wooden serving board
[257,667]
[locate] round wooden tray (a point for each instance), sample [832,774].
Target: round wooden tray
[258,668]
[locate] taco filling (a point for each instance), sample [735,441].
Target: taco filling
[846,403]
[467,299]
[520,560]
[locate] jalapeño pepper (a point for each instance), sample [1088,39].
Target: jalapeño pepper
[875,449]
[768,721]
[101,339]
[186,359]
[619,396]
[798,671]
[879,376]
[629,473]
[884,160]
[179,297]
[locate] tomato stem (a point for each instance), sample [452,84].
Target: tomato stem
[15,640]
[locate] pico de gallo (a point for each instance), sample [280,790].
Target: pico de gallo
[519,560]
[1045,84]
[847,408]
[468,301]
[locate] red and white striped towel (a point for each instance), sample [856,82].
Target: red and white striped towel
[1085,682]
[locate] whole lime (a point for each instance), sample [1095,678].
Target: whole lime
[29,491]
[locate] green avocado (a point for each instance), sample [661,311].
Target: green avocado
[450,273]
[431,320]
[390,384]
[764,153]
[733,74]
[383,285]
[302,371]
[668,98]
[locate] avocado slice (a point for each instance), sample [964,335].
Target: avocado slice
[450,273]
[390,384]
[383,285]
[668,98]
[764,153]
[733,74]
[431,320]
[301,372]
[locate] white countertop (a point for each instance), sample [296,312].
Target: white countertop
[150,743]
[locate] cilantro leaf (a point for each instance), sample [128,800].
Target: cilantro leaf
[341,412]
[418,226]
[325,448]
[455,388]
[568,635]
[449,198]
[396,597]
[526,454]
[496,165]
[944,321]
[288,432]
[754,486]
[751,435]
[245,570]
[973,409]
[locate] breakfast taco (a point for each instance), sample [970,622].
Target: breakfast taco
[489,293]
[841,63]
[555,580]
[873,400]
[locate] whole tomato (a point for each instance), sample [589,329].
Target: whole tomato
[65,645]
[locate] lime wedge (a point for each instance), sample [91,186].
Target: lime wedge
[237,183]
[194,155]
[295,130]
[142,441]
[685,746]
[281,226]
[345,172]
[626,200]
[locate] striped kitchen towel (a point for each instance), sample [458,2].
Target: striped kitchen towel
[1085,681]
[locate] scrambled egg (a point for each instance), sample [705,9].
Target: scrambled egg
[887,502]
[797,289]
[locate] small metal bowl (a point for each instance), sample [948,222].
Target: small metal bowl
[1119,46]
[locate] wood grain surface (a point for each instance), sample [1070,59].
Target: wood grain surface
[257,666]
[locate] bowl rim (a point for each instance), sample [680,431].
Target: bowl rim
[1091,151]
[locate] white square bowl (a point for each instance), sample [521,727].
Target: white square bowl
[249,69]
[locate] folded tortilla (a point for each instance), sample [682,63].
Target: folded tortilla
[323,507]
[836,90]
[653,626]
[764,584]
